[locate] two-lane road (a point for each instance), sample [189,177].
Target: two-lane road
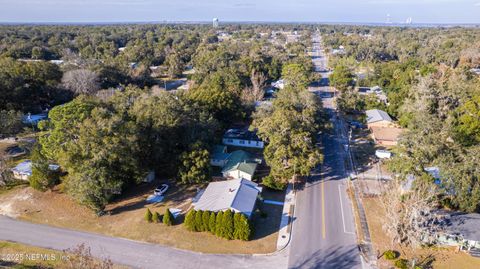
[323,233]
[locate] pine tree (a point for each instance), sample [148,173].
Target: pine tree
[199,221]
[212,222]
[218,224]
[168,218]
[227,225]
[156,217]
[206,221]
[190,220]
[148,215]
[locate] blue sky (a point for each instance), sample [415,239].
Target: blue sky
[422,11]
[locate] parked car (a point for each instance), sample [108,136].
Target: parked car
[160,190]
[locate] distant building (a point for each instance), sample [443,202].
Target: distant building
[242,138]
[23,170]
[34,119]
[384,130]
[239,195]
[239,164]
[378,118]
[219,156]
[461,230]
[476,71]
[215,23]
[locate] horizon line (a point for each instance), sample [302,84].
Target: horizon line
[226,22]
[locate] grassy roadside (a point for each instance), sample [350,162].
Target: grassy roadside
[126,219]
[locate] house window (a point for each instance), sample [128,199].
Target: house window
[242,142]
[258,143]
[249,142]
[230,140]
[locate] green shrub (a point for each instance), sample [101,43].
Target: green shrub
[167,218]
[156,217]
[218,224]
[273,183]
[391,254]
[206,221]
[190,220]
[227,225]
[212,222]
[242,227]
[401,264]
[199,221]
[148,215]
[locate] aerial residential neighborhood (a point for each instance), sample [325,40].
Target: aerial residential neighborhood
[144,134]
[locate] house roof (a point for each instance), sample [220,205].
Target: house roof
[376,115]
[248,168]
[244,134]
[386,133]
[24,168]
[237,194]
[465,225]
[219,149]
[236,157]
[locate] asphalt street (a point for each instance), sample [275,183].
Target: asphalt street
[128,252]
[323,233]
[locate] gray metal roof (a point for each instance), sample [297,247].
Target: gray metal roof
[239,195]
[466,225]
[376,115]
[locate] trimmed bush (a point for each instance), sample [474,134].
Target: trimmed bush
[391,254]
[148,215]
[199,221]
[211,222]
[218,224]
[227,225]
[167,218]
[243,230]
[190,220]
[401,264]
[237,225]
[206,221]
[156,217]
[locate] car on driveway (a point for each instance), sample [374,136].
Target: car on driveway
[160,190]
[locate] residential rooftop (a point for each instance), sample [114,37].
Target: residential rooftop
[376,115]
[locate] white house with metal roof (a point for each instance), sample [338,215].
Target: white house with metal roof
[242,138]
[378,118]
[239,195]
[239,164]
[23,170]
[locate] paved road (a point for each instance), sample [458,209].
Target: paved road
[323,234]
[128,252]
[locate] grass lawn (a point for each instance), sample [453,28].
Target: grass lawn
[443,258]
[125,218]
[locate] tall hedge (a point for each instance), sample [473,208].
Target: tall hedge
[190,220]
[206,221]
[218,224]
[227,225]
[243,228]
[212,222]
[199,221]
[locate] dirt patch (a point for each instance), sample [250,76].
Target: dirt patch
[9,203]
